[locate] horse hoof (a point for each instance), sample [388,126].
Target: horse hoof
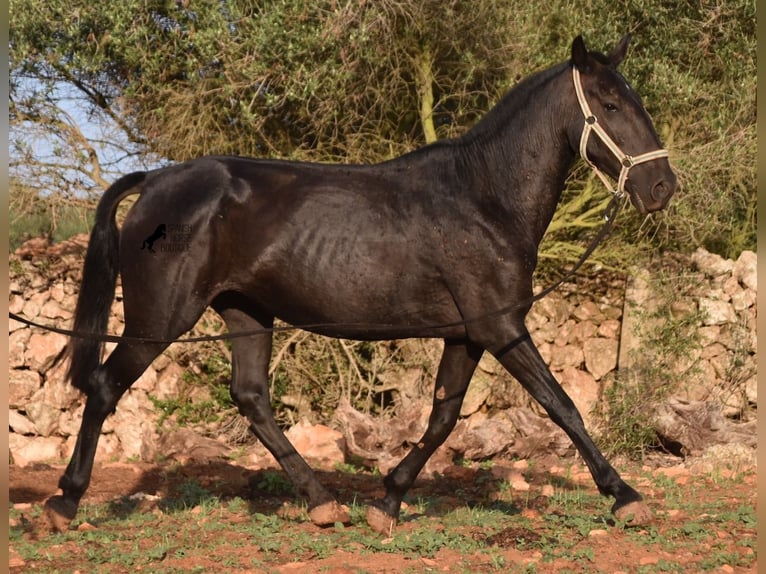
[634,513]
[57,514]
[329,513]
[379,521]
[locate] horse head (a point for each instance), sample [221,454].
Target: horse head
[625,144]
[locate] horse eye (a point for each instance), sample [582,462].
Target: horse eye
[610,107]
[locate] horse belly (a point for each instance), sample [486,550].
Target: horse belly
[355,292]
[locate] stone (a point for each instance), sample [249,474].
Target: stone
[588,311]
[168,382]
[27,450]
[184,445]
[716,312]
[20,424]
[322,446]
[581,332]
[751,389]
[57,292]
[709,334]
[134,426]
[70,421]
[556,310]
[59,394]
[712,264]
[697,387]
[546,351]
[43,416]
[22,385]
[16,304]
[108,449]
[743,299]
[713,350]
[546,333]
[582,388]
[567,356]
[490,364]
[43,349]
[477,394]
[564,332]
[745,269]
[609,329]
[729,287]
[138,440]
[161,362]
[600,356]
[721,365]
[147,381]
[535,321]
[14,325]
[52,310]
[17,344]
[31,309]
[715,458]
[103,441]
[638,299]
[481,436]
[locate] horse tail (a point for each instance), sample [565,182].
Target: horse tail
[99,279]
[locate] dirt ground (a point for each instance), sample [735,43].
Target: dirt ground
[702,522]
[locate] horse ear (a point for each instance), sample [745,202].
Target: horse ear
[580,54]
[620,50]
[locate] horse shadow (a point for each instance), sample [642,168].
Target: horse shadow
[173,487]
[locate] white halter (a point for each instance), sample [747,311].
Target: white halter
[592,125]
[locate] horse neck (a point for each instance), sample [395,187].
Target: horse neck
[519,155]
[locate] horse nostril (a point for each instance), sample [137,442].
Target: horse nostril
[662,191]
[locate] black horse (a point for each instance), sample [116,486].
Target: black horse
[430,244]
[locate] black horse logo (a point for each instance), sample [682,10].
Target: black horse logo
[159,233]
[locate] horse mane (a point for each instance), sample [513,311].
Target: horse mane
[507,109]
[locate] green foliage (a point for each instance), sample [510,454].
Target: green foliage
[310,374]
[310,80]
[204,396]
[35,216]
[227,77]
[668,339]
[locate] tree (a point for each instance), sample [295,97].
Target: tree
[364,80]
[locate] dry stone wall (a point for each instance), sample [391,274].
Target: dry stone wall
[584,337]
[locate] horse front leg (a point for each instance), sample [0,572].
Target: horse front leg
[456,367]
[523,361]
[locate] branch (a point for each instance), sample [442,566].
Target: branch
[424,79]
[101,101]
[70,132]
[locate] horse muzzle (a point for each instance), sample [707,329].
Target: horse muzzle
[653,196]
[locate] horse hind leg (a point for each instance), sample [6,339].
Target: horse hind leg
[108,383]
[250,392]
[456,368]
